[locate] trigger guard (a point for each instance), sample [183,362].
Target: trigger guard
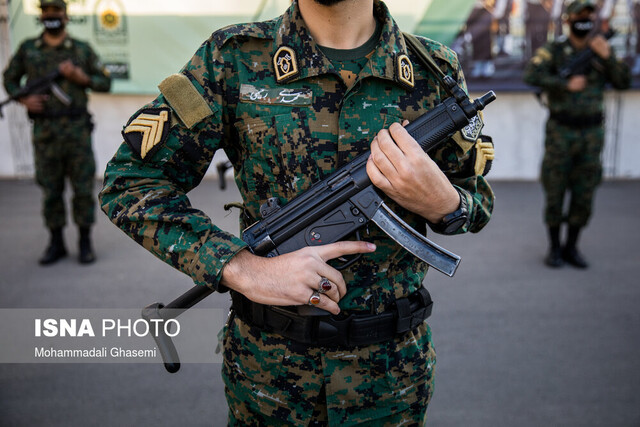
[349,261]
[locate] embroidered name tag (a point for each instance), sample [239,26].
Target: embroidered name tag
[276,96]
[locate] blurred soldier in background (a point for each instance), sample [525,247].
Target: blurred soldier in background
[575,128]
[61,123]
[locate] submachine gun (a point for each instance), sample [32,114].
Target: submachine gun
[339,206]
[40,85]
[582,62]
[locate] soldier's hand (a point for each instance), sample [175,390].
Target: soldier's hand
[34,103]
[73,73]
[577,83]
[400,167]
[291,279]
[600,46]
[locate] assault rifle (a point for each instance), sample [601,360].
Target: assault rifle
[582,62]
[40,86]
[339,206]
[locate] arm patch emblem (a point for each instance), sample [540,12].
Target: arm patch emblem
[147,131]
[471,132]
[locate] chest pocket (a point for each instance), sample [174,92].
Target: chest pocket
[281,157]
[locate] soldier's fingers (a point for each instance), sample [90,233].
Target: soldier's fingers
[389,147]
[405,142]
[329,289]
[348,247]
[377,177]
[335,278]
[323,302]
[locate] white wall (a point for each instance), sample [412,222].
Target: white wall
[515,120]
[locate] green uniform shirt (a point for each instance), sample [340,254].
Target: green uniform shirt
[35,59]
[281,135]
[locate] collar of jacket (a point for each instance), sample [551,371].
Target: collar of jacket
[66,44]
[291,32]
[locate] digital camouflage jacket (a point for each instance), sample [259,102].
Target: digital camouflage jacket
[266,95]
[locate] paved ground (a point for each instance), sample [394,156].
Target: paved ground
[518,344]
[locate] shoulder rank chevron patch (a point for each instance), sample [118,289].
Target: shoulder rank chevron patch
[146,131]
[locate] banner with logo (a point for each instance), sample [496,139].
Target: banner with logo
[143,41]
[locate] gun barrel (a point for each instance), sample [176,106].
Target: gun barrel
[484,100]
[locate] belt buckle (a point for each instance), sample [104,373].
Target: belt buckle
[333,331]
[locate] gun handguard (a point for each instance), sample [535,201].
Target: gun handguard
[348,194]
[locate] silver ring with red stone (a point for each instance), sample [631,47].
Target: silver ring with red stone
[314,299]
[325,285]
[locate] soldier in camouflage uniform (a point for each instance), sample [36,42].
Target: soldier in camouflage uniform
[289,101]
[61,133]
[575,128]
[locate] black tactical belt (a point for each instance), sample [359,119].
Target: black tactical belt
[70,112]
[577,121]
[336,331]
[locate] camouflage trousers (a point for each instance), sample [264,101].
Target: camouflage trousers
[62,149]
[272,381]
[571,164]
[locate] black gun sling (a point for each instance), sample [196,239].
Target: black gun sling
[343,331]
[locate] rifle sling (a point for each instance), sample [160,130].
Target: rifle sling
[426,60]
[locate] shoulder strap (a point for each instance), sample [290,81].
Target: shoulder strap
[425,59]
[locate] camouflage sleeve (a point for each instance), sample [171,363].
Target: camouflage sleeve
[539,71]
[458,160]
[100,79]
[14,72]
[617,72]
[146,184]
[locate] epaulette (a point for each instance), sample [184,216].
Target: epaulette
[260,30]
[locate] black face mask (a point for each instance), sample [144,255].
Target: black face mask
[581,27]
[53,26]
